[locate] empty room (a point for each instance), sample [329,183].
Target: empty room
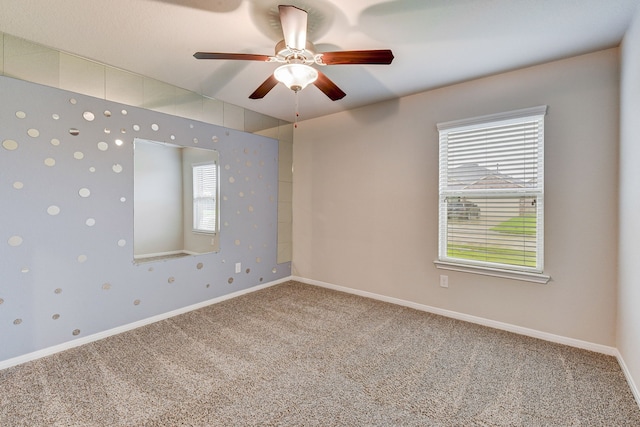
[252,212]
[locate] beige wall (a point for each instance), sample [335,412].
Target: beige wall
[366,192]
[629,281]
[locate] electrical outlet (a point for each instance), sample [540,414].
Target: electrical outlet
[238,267]
[444,281]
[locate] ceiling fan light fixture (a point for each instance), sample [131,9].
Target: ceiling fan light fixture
[296,76]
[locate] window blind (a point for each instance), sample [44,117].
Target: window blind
[205,187]
[492,190]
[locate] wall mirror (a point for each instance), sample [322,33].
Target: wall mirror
[176,201]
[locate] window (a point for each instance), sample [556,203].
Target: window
[205,197]
[491,205]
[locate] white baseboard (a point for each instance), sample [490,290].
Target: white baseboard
[632,385]
[611,351]
[124,328]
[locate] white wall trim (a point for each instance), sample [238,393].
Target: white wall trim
[632,385]
[7,363]
[610,351]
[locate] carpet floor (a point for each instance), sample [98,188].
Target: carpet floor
[299,355]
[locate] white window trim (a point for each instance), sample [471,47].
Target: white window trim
[521,274]
[216,200]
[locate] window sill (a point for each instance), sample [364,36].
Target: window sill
[495,272]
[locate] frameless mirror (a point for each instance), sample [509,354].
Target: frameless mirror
[176,203]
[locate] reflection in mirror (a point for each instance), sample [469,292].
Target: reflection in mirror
[176,203]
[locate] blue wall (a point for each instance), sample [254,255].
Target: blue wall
[66,267]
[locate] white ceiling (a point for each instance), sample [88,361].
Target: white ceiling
[435,42]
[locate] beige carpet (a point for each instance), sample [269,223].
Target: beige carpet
[300,355]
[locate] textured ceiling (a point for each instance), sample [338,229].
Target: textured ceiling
[435,42]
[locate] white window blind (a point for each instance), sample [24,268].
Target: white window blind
[205,192]
[492,190]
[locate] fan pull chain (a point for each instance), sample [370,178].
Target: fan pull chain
[295,123]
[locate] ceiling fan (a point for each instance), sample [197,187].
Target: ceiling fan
[297,55]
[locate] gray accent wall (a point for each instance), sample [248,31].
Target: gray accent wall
[66,239]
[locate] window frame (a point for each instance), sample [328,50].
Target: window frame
[196,199]
[444,261]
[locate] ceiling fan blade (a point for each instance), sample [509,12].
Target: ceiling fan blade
[264,88]
[294,26]
[328,87]
[383,56]
[240,56]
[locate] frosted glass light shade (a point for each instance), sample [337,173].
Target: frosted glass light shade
[295,76]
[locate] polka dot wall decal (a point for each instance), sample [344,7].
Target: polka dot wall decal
[195,140]
[258,260]
[230,280]
[17,321]
[117,168]
[199,266]
[124,112]
[123,130]
[248,163]
[155,127]
[76,332]
[119,142]
[24,270]
[227,167]
[122,243]
[107,113]
[274,271]
[1,301]
[72,101]
[173,137]
[78,155]
[241,194]
[82,258]
[171,279]
[84,192]
[55,117]
[225,198]
[57,291]
[232,179]
[49,161]
[55,142]
[21,114]
[136,127]
[237,242]
[103,146]
[106,286]
[250,209]
[9,144]
[92,169]
[33,133]
[123,199]
[55,316]
[215,139]
[74,131]
[53,210]
[88,116]
[15,241]
[248,270]
[136,302]
[90,222]
[107,131]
